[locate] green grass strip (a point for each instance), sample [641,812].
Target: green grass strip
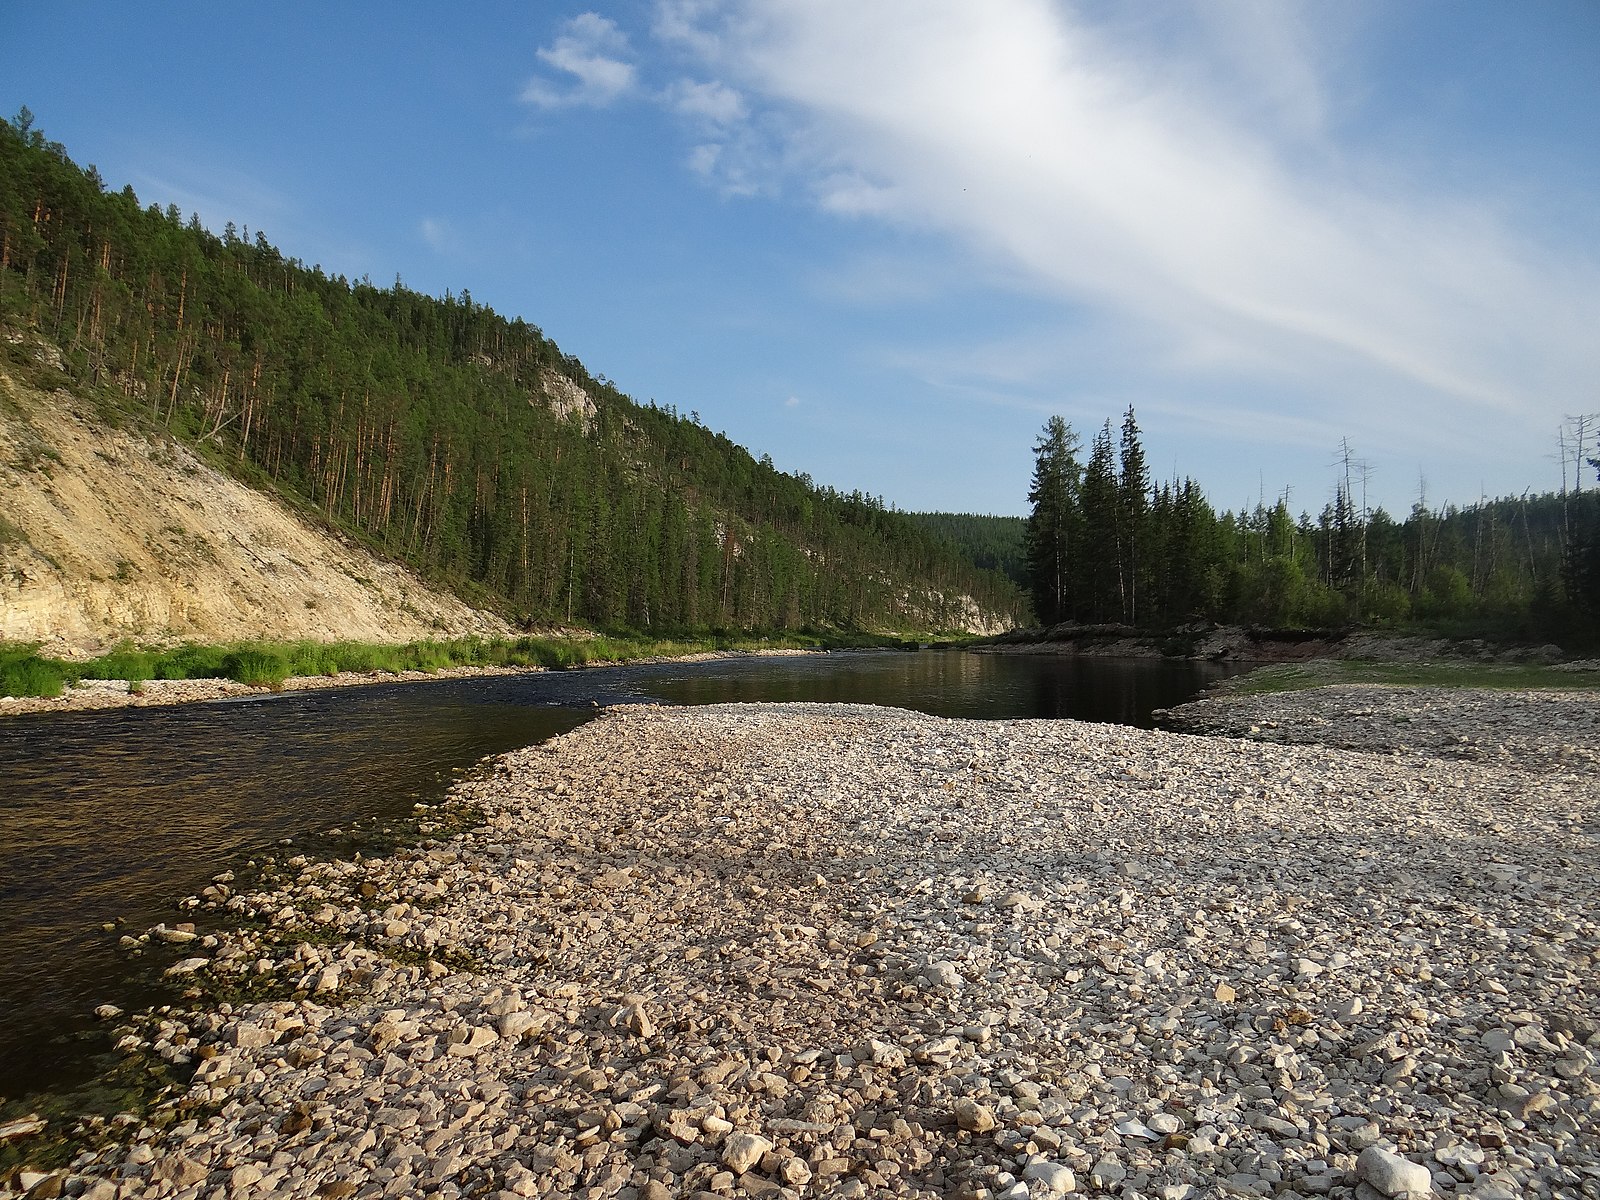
[24,672]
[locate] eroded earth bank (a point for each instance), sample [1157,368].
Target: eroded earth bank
[817,950]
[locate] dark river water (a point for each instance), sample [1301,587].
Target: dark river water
[115,816]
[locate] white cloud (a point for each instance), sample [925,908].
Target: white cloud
[738,164]
[792,402]
[849,195]
[1196,190]
[594,54]
[690,24]
[714,103]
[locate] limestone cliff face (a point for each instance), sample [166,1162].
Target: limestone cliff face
[108,535]
[568,401]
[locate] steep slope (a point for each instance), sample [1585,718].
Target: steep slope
[107,534]
[460,442]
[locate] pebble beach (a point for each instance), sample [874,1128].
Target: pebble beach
[1342,943]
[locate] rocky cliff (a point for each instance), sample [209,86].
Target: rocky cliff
[110,533]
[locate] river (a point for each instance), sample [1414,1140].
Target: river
[112,817]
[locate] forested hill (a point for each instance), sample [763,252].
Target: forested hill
[448,437]
[994,543]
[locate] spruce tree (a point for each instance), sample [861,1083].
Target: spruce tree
[1052,526]
[1102,600]
[1133,512]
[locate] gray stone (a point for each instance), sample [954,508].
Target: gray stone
[178,1170]
[1107,1173]
[974,1117]
[741,1151]
[1391,1174]
[1056,1179]
[523,1022]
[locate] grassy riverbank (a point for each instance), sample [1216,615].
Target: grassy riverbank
[24,672]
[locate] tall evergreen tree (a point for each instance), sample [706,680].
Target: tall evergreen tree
[1052,531]
[1101,559]
[1133,512]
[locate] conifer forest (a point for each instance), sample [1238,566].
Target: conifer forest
[1104,543]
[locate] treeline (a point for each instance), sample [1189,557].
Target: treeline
[447,436]
[1104,544]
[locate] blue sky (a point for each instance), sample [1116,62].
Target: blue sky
[883,240]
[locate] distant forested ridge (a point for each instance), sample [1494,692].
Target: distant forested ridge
[1106,544]
[994,543]
[444,435]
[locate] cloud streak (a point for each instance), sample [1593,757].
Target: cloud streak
[591,58]
[1143,179]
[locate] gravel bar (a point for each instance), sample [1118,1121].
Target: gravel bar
[1535,731]
[825,950]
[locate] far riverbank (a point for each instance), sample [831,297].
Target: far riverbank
[1234,643]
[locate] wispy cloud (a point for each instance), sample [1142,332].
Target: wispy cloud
[592,61]
[717,104]
[218,195]
[1195,189]
[437,233]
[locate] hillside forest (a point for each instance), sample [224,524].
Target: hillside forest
[469,447]
[443,435]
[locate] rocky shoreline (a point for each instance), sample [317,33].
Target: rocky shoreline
[1234,643]
[822,950]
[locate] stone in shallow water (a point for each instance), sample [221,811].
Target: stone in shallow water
[22,1127]
[37,1183]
